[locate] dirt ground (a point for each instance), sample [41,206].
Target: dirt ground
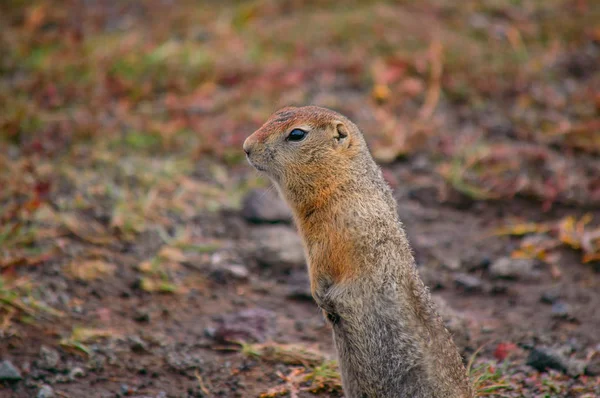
[141,256]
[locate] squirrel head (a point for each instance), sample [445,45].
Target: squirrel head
[304,148]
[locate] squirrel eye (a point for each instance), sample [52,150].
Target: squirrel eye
[296,135]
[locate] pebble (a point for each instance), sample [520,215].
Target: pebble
[452,263]
[126,390]
[184,360]
[210,332]
[141,316]
[510,268]
[278,247]
[299,286]
[76,372]
[561,310]
[49,358]
[137,345]
[237,271]
[223,273]
[45,392]
[256,324]
[8,371]
[593,368]
[468,283]
[265,206]
[542,358]
[550,296]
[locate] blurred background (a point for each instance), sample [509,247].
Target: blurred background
[141,256]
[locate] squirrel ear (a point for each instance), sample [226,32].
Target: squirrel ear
[341,134]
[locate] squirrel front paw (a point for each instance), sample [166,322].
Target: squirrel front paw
[322,293]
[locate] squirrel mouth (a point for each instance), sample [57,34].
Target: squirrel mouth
[256,166]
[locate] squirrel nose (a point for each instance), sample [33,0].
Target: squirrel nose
[247,146]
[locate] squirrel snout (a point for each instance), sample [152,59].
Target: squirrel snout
[247,146]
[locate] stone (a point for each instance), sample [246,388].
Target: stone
[183,361]
[210,332]
[542,358]
[76,372]
[511,268]
[550,296]
[299,286]
[254,324]
[141,316]
[237,271]
[226,272]
[45,391]
[279,247]
[593,368]
[49,358]
[432,278]
[468,283]
[561,310]
[137,345]
[265,206]
[9,372]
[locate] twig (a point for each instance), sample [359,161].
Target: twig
[435,81]
[205,390]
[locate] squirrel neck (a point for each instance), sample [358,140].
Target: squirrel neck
[341,233]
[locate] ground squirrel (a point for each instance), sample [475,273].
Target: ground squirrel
[389,338]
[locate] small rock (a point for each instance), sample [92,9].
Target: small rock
[510,268]
[299,286]
[279,247]
[76,372]
[545,358]
[257,324]
[265,206]
[45,392]
[210,332]
[141,316]
[425,195]
[542,358]
[468,283]
[550,296]
[49,358]
[452,264]
[561,310]
[137,345]
[127,390]
[593,368]
[8,371]
[299,326]
[576,367]
[499,289]
[223,273]
[237,271]
[182,361]
[432,277]
[454,322]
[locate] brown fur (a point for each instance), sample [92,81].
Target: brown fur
[390,340]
